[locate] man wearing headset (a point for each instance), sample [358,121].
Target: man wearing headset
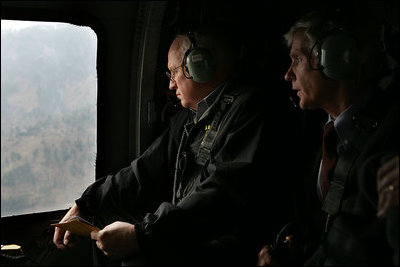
[188,197]
[336,66]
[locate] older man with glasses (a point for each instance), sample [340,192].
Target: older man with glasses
[192,196]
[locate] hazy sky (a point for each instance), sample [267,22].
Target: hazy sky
[20,24]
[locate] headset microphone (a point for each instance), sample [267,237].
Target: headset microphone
[294,99]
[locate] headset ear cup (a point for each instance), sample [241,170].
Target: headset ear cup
[200,64]
[339,56]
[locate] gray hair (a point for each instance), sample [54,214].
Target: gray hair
[315,27]
[184,45]
[217,40]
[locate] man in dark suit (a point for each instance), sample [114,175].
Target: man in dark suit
[337,67]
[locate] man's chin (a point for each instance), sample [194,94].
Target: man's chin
[307,106]
[186,105]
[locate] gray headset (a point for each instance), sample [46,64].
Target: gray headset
[198,62]
[337,53]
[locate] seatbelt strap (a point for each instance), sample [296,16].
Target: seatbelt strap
[334,196]
[206,144]
[365,127]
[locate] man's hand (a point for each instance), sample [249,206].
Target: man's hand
[388,186]
[290,253]
[64,239]
[116,240]
[265,258]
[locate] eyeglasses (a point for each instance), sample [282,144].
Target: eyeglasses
[171,73]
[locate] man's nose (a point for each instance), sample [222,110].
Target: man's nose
[289,75]
[172,85]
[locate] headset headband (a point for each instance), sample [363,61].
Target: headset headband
[192,39]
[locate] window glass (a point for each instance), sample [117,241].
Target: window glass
[48,115]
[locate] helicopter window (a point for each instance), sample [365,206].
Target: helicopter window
[48,114]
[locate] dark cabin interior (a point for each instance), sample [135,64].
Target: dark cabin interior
[133,97]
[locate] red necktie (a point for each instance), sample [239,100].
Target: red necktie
[329,157]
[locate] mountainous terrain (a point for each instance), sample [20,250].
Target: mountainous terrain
[48,117]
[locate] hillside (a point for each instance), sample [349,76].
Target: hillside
[48,117]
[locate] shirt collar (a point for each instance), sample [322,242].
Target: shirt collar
[344,123]
[206,102]
[344,128]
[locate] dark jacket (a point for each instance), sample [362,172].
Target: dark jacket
[354,235]
[207,214]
